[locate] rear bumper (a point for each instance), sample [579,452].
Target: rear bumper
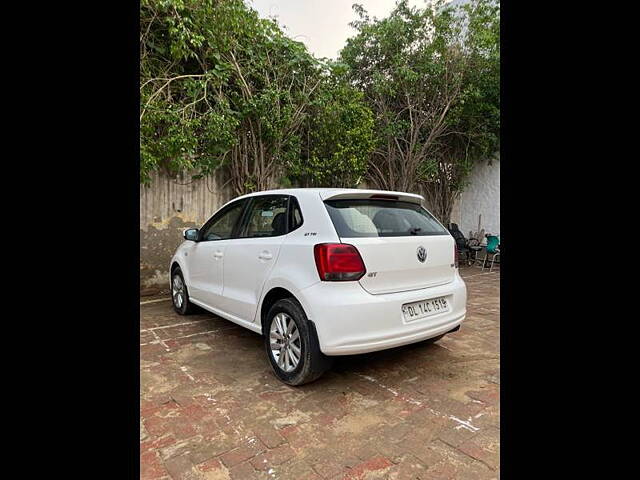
[350,320]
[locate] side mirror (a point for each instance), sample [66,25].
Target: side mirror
[191,234]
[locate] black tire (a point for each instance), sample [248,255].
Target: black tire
[185,307]
[312,362]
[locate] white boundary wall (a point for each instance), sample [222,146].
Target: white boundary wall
[481,197]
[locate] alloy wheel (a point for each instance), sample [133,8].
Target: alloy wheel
[285,341]
[177,291]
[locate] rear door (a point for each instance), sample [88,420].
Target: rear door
[402,245]
[249,259]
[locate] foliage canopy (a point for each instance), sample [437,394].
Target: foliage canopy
[221,86]
[431,76]
[411,104]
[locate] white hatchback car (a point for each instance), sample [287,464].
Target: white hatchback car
[323,272]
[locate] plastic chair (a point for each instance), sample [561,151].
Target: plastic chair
[461,242]
[493,244]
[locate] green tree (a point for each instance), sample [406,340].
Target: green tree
[473,131]
[430,76]
[221,86]
[412,104]
[338,136]
[186,120]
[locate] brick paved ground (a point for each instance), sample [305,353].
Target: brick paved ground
[212,409]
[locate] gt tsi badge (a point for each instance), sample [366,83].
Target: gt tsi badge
[422,253]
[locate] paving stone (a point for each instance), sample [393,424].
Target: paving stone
[273,457]
[181,468]
[384,415]
[455,436]
[327,467]
[269,436]
[151,467]
[484,447]
[242,471]
[441,471]
[298,470]
[409,468]
[246,451]
[377,465]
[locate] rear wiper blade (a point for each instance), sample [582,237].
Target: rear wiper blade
[414,230]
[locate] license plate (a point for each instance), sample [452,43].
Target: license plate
[425,308]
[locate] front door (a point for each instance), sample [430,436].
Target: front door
[249,259]
[205,259]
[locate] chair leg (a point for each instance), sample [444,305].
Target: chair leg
[493,260]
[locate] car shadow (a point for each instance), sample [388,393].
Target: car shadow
[396,358]
[389,358]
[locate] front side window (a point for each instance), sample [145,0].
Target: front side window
[381,218]
[267,217]
[221,226]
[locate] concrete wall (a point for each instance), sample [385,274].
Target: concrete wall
[167,207]
[481,197]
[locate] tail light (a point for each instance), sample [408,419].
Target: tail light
[456,255]
[338,262]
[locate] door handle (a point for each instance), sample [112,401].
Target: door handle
[265,255]
[218,254]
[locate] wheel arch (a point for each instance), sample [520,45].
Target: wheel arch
[176,263]
[272,296]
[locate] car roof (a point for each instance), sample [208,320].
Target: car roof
[327,193]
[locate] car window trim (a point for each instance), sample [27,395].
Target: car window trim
[237,228]
[293,202]
[245,217]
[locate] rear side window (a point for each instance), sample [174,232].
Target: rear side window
[381,218]
[267,217]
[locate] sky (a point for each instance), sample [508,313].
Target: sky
[322,25]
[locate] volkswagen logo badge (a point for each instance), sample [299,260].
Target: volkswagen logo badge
[422,253]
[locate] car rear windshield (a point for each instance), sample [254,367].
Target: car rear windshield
[381,218]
